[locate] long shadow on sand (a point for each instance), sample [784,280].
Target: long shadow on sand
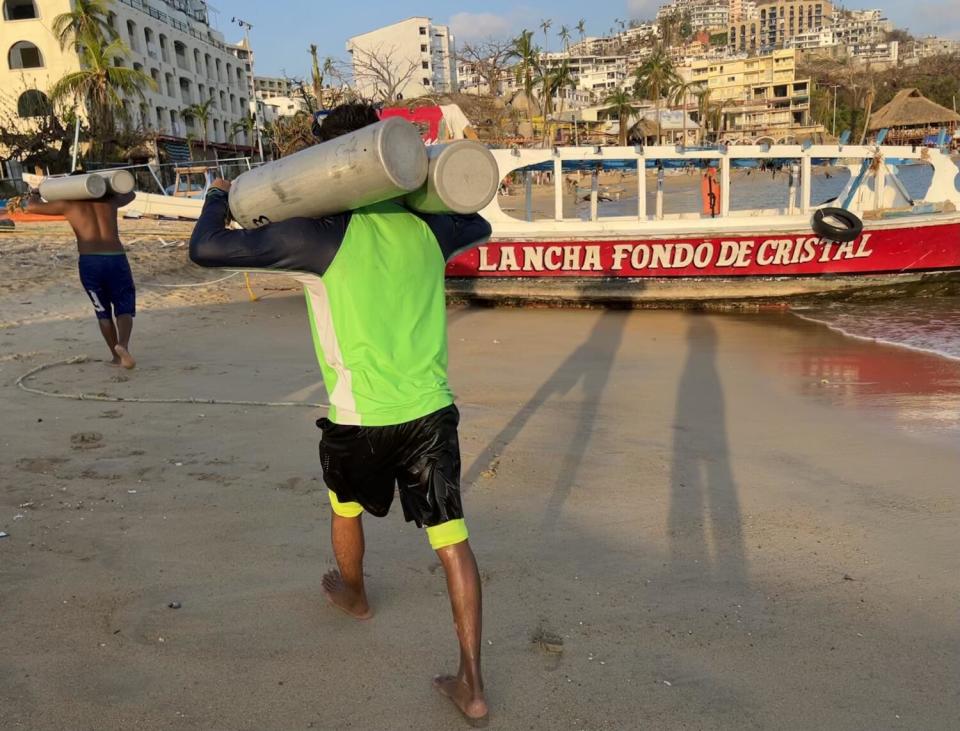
[705,533]
[589,367]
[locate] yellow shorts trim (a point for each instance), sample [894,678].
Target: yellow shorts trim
[344,510]
[447,534]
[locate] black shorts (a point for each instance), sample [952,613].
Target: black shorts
[366,464]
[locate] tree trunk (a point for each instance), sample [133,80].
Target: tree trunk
[868,113]
[684,112]
[659,122]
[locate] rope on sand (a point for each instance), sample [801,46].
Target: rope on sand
[22,385]
[195,284]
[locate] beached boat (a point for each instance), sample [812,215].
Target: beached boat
[717,255]
[725,255]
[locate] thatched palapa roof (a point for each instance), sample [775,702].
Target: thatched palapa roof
[910,108]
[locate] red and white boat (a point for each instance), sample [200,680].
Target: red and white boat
[743,255]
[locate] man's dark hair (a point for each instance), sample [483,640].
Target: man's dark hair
[345,119]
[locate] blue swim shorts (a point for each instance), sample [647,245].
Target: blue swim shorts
[108,282]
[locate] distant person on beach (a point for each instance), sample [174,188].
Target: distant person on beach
[104,270]
[374,283]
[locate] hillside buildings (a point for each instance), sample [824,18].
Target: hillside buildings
[777,22]
[759,96]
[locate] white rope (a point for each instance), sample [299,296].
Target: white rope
[196,284]
[21,384]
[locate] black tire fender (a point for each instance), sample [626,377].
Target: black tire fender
[850,229]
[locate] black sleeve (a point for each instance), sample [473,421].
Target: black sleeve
[298,244]
[455,232]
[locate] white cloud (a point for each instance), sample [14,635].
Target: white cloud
[476,26]
[643,9]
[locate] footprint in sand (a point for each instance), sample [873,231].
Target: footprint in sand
[111,414]
[86,440]
[40,465]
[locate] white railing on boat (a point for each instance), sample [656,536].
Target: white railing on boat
[867,190]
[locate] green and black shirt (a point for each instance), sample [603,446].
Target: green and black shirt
[374,283]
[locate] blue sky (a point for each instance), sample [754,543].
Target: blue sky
[283,29]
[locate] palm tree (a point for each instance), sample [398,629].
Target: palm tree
[246,125]
[528,56]
[703,112]
[101,86]
[545,79]
[201,112]
[87,20]
[680,92]
[620,102]
[316,75]
[655,79]
[565,37]
[564,79]
[545,25]
[582,29]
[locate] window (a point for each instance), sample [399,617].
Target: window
[423,48]
[33,103]
[24,55]
[425,64]
[423,31]
[426,82]
[19,10]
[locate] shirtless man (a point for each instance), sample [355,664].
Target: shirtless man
[104,269]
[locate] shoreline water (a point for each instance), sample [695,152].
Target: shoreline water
[878,340]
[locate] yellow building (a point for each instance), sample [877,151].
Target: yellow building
[170,40]
[776,22]
[760,95]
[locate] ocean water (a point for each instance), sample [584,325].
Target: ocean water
[930,324]
[924,323]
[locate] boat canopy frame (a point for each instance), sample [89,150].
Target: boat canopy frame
[880,161]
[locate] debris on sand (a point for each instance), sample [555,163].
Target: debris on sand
[547,640]
[86,440]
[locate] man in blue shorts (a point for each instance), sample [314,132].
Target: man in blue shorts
[104,269]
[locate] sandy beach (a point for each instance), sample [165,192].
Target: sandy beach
[722,521]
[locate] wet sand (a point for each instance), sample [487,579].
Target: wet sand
[730,521]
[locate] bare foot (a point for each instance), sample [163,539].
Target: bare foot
[115,363]
[469,702]
[345,598]
[126,360]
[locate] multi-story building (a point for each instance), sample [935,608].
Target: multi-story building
[934,46]
[416,51]
[814,40]
[702,14]
[860,27]
[266,87]
[876,55]
[597,75]
[710,16]
[171,41]
[742,10]
[777,22]
[760,95]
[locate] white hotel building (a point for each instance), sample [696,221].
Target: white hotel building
[171,41]
[413,45]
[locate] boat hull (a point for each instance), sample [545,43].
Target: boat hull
[773,265]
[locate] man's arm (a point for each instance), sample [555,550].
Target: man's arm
[35,204]
[299,244]
[456,233]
